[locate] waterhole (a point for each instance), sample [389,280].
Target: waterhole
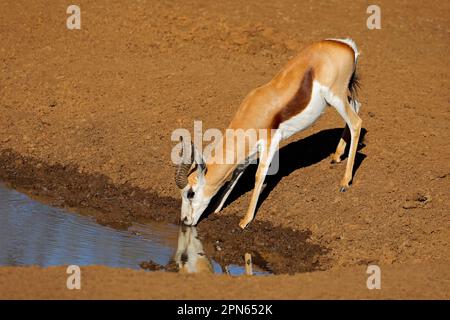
[33,233]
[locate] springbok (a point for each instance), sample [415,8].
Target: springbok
[324,73]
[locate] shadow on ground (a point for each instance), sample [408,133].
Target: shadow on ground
[294,156]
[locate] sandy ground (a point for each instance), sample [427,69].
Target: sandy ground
[397,282]
[86,118]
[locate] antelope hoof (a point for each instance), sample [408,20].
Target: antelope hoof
[335,160]
[243,223]
[343,188]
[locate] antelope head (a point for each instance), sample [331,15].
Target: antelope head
[190,177]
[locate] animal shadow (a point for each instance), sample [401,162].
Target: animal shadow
[294,156]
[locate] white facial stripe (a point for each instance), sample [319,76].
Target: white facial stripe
[193,208]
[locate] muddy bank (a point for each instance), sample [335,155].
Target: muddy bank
[66,186]
[274,248]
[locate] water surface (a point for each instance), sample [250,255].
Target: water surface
[33,233]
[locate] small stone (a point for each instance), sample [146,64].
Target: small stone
[409,205]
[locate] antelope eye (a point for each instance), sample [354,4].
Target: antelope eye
[190,194]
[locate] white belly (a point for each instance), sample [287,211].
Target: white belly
[308,116]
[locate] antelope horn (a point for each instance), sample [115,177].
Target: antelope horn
[183,168]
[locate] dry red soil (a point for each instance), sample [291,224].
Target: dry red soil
[98,282]
[86,118]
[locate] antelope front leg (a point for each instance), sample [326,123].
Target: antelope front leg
[266,156]
[228,191]
[234,179]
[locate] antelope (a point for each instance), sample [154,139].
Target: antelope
[323,74]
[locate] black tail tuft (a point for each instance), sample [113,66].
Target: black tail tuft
[354,85]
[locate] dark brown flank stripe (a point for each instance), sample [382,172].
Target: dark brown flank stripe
[298,102]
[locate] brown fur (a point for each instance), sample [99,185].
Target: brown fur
[332,64]
[342,45]
[298,102]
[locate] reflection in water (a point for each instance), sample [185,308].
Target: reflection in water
[190,256]
[32,233]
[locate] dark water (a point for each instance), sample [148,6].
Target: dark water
[32,233]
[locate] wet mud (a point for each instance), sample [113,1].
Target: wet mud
[274,249]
